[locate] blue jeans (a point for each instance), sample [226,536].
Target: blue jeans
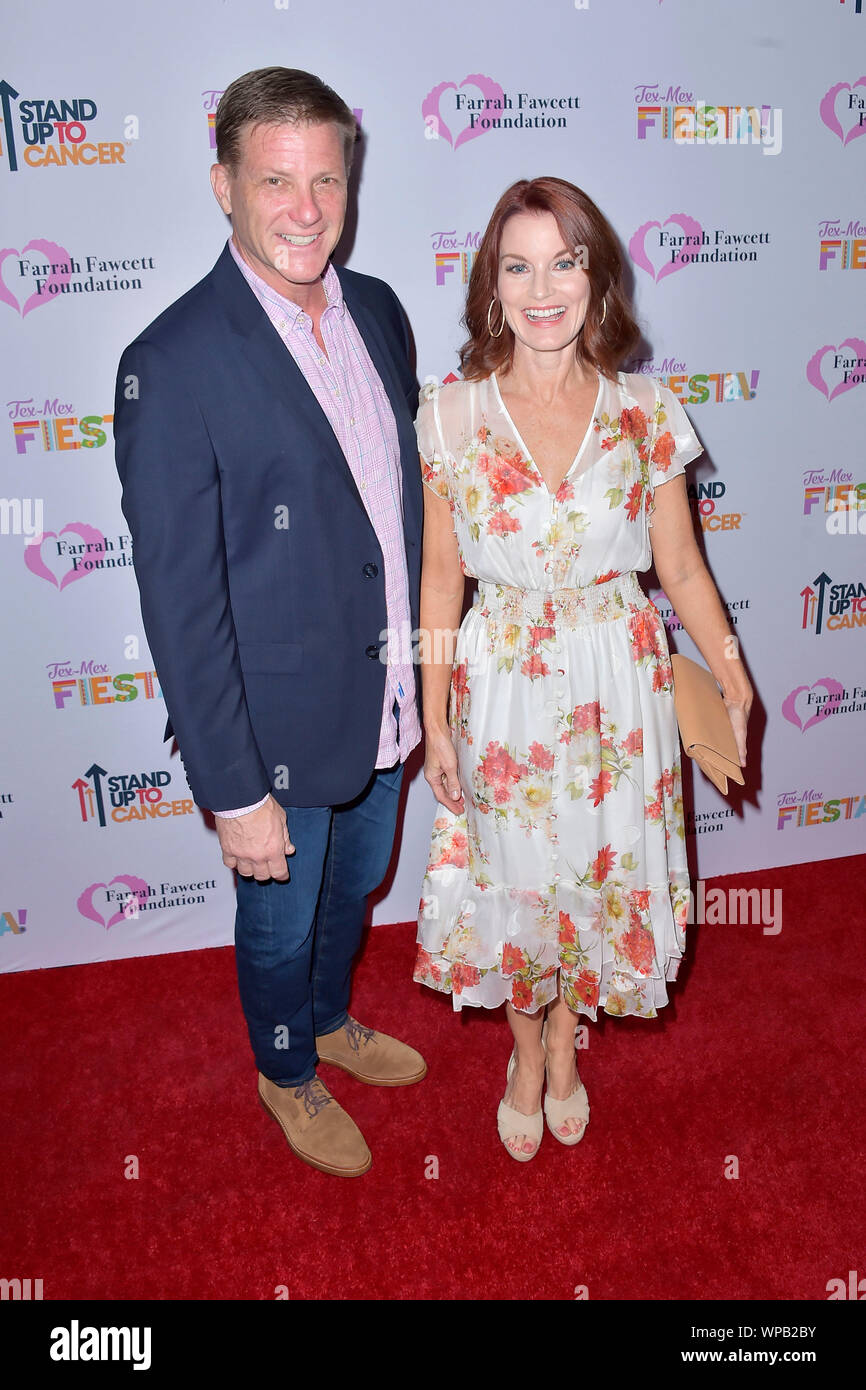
[295,942]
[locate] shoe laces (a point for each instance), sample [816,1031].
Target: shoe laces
[356,1034]
[314,1094]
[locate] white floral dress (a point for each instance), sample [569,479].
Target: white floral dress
[569,858]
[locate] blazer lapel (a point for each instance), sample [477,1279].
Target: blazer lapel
[275,366]
[382,360]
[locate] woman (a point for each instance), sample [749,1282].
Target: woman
[557,878]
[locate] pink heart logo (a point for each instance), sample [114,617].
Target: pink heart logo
[55,256]
[35,562]
[138,894]
[638,252]
[815,376]
[830,117]
[491,92]
[834,690]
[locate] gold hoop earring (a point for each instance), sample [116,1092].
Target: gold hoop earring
[489,325]
[604,315]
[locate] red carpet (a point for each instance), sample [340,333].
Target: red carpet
[760,1055]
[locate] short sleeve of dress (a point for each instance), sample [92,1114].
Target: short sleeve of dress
[431,446]
[674,442]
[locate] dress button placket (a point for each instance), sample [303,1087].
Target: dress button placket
[556,777]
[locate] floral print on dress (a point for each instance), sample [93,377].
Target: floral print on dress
[491,504]
[566,869]
[650,647]
[597,755]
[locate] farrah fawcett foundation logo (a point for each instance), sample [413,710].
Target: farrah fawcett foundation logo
[662,248]
[456,115]
[127,896]
[49,272]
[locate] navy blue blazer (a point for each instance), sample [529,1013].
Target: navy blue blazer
[266,638]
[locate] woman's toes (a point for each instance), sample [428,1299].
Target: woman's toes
[570,1126]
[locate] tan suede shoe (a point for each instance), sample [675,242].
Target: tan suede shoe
[371,1057]
[318,1130]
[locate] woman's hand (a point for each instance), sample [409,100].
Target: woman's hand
[690,590]
[738,704]
[440,770]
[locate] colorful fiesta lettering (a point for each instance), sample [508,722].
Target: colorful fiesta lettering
[821,812]
[700,123]
[446,263]
[92,689]
[10,923]
[843,253]
[57,433]
[841,497]
[726,386]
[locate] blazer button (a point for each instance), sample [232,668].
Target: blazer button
[370,570]
[373,651]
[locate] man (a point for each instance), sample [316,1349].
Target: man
[265,443]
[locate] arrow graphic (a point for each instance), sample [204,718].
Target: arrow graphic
[80,787]
[8,94]
[97,772]
[822,581]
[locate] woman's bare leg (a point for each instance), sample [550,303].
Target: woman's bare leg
[524,1089]
[562,1067]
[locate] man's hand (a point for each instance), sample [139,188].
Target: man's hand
[257,844]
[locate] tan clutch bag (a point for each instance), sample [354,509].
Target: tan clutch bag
[705,726]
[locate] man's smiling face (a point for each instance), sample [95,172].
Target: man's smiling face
[287,202]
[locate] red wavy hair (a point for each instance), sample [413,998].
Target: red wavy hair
[600,345]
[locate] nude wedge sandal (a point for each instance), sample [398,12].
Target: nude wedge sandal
[574,1107]
[511,1122]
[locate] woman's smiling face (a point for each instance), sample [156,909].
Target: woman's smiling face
[543,289]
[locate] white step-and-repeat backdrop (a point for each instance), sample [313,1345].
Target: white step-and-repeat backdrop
[723,141]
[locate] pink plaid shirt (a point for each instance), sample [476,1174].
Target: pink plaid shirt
[350,392]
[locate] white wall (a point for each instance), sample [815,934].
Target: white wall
[781,320]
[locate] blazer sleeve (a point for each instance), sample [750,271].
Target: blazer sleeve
[172,505]
[408,379]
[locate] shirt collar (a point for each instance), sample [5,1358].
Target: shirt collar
[295,315]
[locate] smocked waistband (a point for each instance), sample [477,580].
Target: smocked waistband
[592,603]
